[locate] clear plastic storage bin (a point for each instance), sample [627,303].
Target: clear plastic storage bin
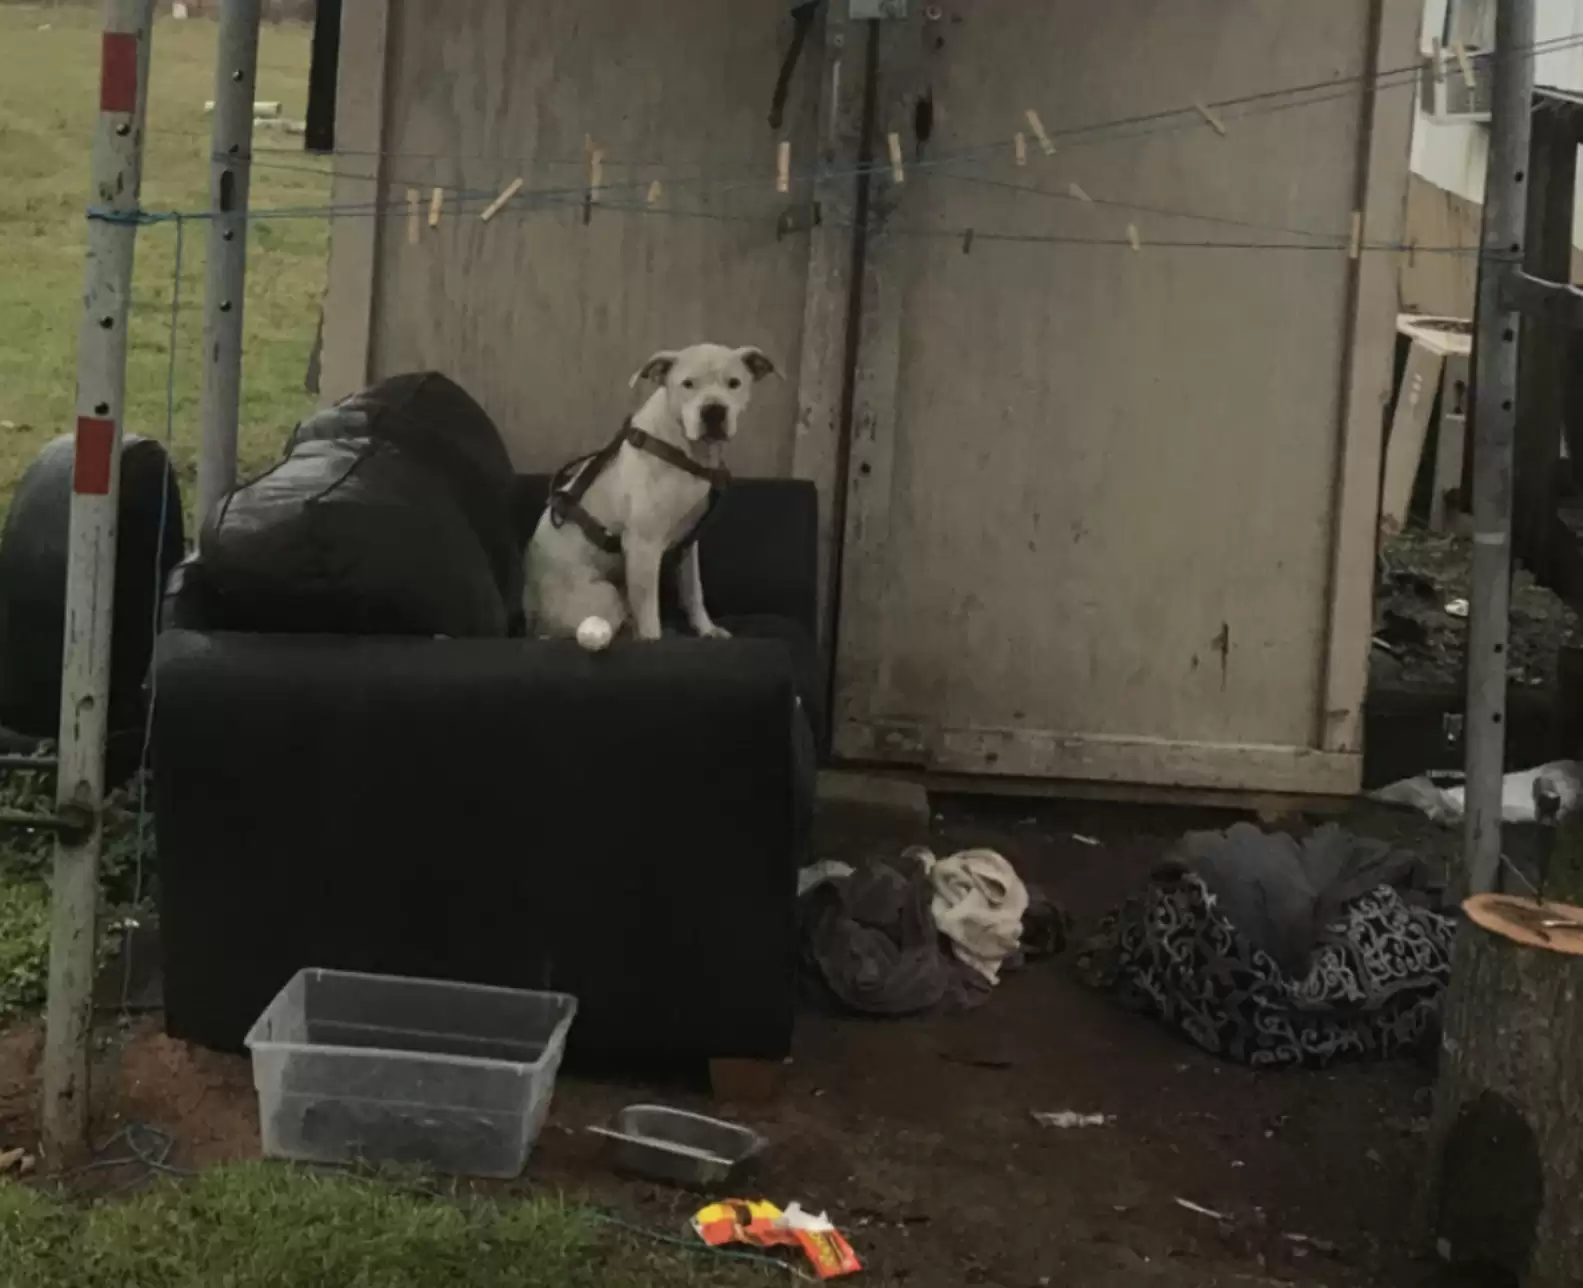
[377,1068]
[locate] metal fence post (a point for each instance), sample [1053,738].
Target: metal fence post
[1494,434]
[90,575]
[230,178]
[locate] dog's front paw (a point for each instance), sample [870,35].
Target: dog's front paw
[709,631]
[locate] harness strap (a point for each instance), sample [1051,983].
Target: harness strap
[715,476]
[572,481]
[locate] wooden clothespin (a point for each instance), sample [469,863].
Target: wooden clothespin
[436,200]
[1133,239]
[499,203]
[596,176]
[967,242]
[1037,126]
[898,173]
[1210,119]
[1466,64]
[783,166]
[1076,189]
[1020,143]
[1355,248]
[653,195]
[1437,57]
[596,167]
[414,216]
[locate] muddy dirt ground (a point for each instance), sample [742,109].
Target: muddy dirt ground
[917,1135]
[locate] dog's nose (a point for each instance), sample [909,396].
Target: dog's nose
[712,416]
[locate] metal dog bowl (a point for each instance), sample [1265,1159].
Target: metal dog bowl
[678,1147]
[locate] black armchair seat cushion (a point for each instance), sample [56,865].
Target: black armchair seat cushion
[758,553]
[758,549]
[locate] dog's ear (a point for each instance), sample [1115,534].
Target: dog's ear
[757,361]
[656,368]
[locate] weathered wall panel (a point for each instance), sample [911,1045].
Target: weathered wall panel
[1101,512]
[543,316]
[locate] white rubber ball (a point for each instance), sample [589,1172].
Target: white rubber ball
[594,634]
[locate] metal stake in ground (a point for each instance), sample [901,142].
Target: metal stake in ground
[1494,432]
[90,571]
[230,178]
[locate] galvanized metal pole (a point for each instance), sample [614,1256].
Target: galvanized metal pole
[90,572]
[230,177]
[1494,433]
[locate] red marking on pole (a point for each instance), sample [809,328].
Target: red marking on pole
[118,72]
[90,474]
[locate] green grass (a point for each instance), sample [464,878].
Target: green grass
[272,1226]
[48,104]
[24,889]
[24,943]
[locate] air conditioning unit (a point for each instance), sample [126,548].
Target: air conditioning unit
[1444,92]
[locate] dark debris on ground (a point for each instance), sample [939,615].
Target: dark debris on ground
[1420,616]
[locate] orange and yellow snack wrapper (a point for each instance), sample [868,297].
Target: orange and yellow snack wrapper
[761,1224]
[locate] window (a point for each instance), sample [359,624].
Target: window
[1470,22]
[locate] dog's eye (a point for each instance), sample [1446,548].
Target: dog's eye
[734,383]
[687,384]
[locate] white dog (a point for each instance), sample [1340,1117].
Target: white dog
[613,516]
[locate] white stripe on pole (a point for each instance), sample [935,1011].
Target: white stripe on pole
[90,573]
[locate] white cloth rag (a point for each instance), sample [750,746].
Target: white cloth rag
[978,905]
[1447,804]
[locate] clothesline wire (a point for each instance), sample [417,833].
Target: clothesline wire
[1169,120]
[1159,123]
[1387,77]
[1338,245]
[796,179]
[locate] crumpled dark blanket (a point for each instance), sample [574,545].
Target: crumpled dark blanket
[1276,952]
[871,940]
[871,943]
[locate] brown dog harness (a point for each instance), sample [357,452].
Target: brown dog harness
[571,483]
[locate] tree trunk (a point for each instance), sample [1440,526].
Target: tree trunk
[1506,1180]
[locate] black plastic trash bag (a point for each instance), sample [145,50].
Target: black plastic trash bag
[348,536]
[438,424]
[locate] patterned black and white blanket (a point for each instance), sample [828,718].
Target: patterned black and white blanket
[1370,987]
